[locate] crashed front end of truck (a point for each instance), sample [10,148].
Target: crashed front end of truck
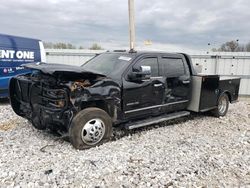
[52,95]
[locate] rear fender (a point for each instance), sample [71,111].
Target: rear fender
[227,93]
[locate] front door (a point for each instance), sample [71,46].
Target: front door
[143,98]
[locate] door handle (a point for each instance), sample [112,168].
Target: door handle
[158,85]
[185,81]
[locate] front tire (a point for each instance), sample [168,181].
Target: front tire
[90,127]
[222,106]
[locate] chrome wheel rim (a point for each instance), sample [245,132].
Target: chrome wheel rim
[222,105]
[93,131]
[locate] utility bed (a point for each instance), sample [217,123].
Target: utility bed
[207,88]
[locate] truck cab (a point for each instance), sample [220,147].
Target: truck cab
[166,88]
[127,89]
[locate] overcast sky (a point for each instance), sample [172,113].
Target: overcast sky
[173,25]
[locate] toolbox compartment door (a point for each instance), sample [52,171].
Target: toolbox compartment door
[206,90]
[204,93]
[231,85]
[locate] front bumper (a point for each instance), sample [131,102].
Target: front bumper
[44,106]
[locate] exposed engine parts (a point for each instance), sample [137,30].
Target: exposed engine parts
[79,84]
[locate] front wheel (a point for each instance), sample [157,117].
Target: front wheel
[91,127]
[222,106]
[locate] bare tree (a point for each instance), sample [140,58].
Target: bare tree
[241,48]
[48,45]
[70,46]
[59,45]
[95,46]
[247,47]
[231,46]
[62,45]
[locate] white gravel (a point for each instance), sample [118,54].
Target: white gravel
[198,151]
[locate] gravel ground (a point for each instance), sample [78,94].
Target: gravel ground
[199,151]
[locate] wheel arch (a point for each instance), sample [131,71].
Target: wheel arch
[228,94]
[217,111]
[101,104]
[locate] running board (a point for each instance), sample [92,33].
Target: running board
[154,120]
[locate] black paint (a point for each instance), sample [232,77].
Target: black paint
[47,99]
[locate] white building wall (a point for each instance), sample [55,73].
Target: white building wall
[72,57]
[235,64]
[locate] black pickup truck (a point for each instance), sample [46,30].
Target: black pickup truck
[117,88]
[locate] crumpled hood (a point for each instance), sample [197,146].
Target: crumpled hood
[55,69]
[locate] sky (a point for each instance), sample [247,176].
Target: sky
[175,25]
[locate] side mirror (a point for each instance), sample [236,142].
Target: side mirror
[145,70]
[143,73]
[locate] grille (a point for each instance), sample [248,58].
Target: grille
[53,99]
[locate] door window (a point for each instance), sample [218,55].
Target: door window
[172,67]
[152,62]
[176,72]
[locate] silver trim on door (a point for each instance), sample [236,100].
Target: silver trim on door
[186,81]
[156,106]
[158,85]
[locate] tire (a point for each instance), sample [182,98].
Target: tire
[90,127]
[222,106]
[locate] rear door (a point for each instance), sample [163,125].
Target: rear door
[176,72]
[144,97]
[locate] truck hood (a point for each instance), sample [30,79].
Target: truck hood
[55,69]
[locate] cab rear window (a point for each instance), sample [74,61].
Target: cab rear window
[172,67]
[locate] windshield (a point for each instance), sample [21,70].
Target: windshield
[108,63]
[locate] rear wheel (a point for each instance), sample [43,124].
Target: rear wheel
[91,127]
[222,106]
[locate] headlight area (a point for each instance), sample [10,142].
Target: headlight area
[51,108]
[54,99]
[57,107]
[76,91]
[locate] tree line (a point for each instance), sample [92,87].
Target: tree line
[62,45]
[233,46]
[230,46]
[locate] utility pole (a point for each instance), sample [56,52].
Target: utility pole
[131,10]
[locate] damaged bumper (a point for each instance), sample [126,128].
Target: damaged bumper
[44,106]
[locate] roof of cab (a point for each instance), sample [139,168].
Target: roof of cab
[167,54]
[136,53]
